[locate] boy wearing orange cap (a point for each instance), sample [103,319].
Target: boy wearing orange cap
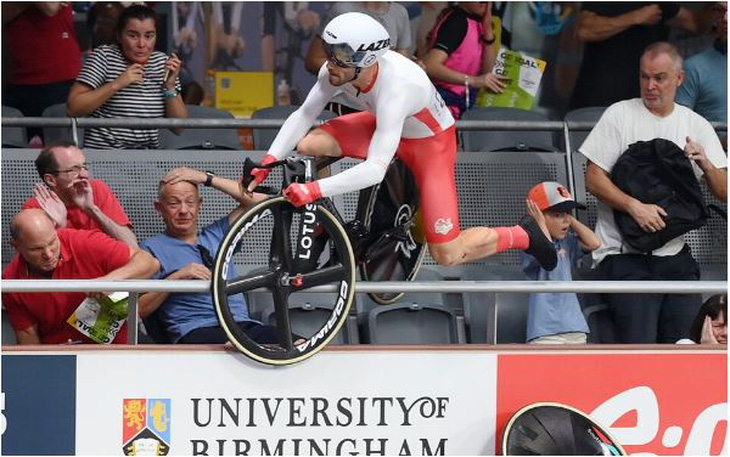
[556,318]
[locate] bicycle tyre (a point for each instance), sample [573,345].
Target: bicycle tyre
[273,212]
[390,204]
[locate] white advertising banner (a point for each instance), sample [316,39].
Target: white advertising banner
[350,402]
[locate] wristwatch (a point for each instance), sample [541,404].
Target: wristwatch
[208,178]
[170,93]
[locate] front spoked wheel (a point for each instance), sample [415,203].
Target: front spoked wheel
[297,249]
[396,236]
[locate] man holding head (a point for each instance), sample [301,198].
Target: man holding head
[45,252]
[644,318]
[185,252]
[73,199]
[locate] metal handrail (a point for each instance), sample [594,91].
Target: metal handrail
[197,286]
[136,122]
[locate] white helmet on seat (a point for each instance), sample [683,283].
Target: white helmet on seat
[355,40]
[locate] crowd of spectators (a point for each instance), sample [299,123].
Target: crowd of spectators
[74,226]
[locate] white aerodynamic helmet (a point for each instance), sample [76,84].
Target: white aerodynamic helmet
[355,40]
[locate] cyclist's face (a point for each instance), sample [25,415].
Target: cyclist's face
[339,75]
[178,204]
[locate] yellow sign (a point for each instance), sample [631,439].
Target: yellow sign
[243,92]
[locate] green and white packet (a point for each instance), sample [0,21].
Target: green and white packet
[101,320]
[524,73]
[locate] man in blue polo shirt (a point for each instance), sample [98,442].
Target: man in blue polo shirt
[186,253]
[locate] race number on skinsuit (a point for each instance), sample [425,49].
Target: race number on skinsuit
[102,320]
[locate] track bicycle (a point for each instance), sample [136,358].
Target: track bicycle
[312,246]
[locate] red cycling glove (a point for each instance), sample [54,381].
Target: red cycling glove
[260,174]
[302,194]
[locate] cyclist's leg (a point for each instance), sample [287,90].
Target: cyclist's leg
[347,136]
[432,161]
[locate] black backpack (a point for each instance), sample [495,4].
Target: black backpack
[658,172]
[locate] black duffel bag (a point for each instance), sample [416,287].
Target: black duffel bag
[657,172]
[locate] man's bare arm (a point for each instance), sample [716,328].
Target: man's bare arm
[28,336]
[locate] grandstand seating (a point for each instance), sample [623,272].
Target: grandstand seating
[506,140]
[51,134]
[308,311]
[202,138]
[407,322]
[587,114]
[13,137]
[511,317]
[491,191]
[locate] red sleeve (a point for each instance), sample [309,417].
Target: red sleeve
[108,203]
[19,316]
[106,253]
[31,203]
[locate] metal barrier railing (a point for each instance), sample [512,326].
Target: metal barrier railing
[131,122]
[196,286]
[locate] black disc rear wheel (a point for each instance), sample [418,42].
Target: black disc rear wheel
[396,236]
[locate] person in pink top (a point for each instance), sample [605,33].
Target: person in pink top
[461,55]
[403,114]
[73,199]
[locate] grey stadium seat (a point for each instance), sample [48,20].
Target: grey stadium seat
[587,114]
[308,312]
[511,315]
[411,323]
[51,134]
[13,137]
[506,140]
[211,138]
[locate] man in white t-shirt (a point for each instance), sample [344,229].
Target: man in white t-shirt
[643,318]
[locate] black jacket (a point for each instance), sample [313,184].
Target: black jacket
[657,172]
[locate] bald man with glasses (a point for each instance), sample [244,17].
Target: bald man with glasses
[73,199]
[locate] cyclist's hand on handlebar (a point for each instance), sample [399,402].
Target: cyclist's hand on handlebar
[260,174]
[301,194]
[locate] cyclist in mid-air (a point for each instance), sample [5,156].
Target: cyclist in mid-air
[402,114]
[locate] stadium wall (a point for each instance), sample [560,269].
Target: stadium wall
[374,401]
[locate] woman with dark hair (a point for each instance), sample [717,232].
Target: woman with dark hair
[710,325]
[128,79]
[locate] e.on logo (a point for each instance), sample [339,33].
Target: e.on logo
[671,403]
[644,402]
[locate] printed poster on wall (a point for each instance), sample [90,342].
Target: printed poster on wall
[663,404]
[339,402]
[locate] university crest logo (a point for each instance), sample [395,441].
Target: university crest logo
[146,426]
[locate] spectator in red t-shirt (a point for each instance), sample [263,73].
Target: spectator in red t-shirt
[47,253]
[73,199]
[44,55]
